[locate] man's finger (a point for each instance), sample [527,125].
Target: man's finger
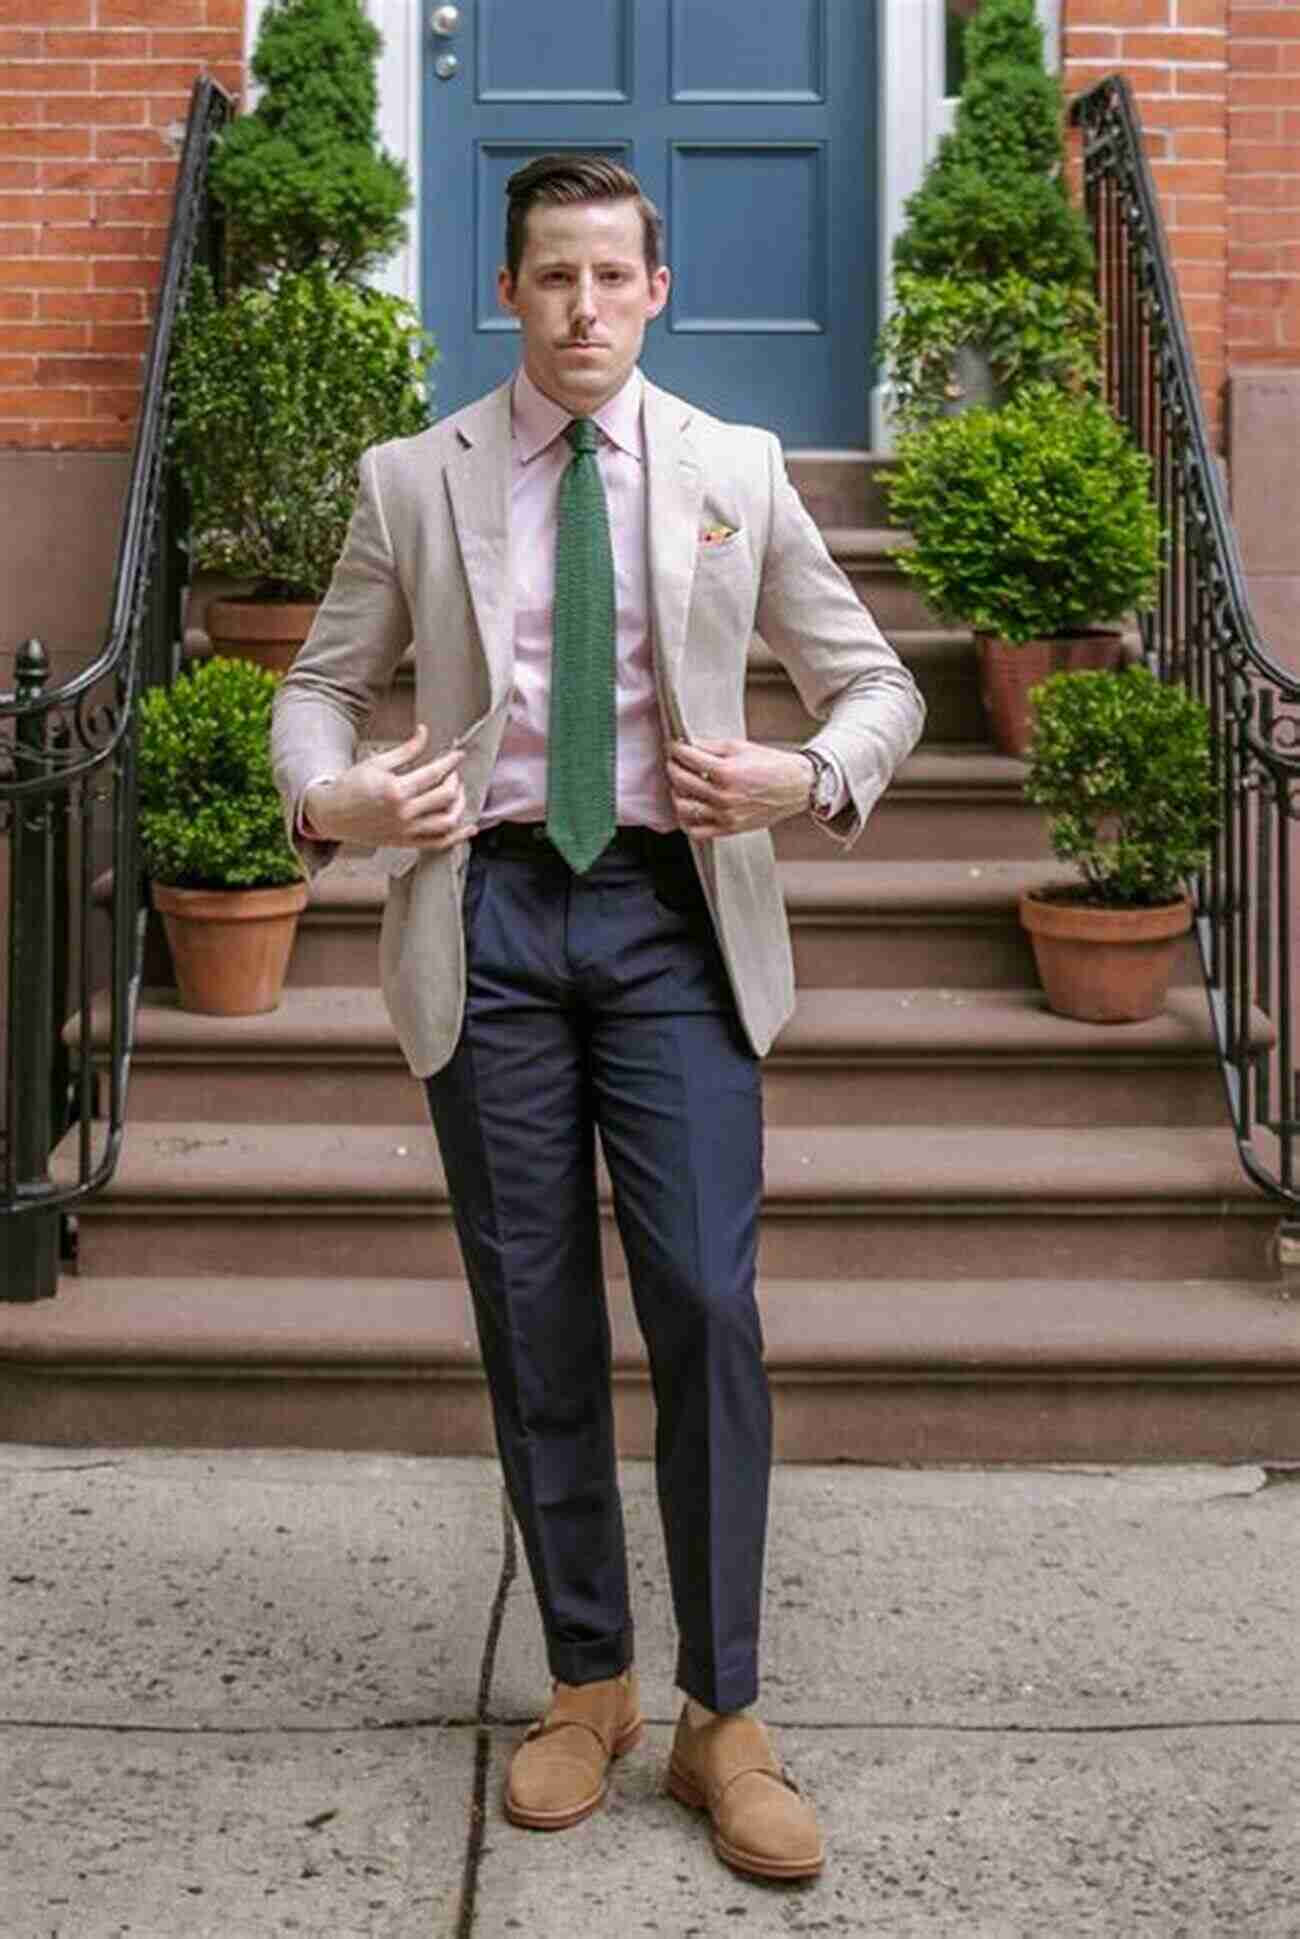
[396,757]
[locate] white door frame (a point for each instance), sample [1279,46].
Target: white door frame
[912,114]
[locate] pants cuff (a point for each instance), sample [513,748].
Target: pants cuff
[590,1662]
[721,1688]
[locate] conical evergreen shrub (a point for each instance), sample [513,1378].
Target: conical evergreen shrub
[302,179]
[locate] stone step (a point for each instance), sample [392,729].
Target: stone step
[327,1055]
[854,923]
[921,1201]
[960,803]
[887,1370]
[941,662]
[843,487]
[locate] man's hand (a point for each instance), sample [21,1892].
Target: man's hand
[723,787]
[388,800]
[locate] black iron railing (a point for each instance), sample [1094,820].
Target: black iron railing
[1202,635]
[76,905]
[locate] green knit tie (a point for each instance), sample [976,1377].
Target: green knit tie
[580,814]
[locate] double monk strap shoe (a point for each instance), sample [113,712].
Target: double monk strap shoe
[560,1772]
[761,1825]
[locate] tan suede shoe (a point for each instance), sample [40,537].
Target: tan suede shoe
[560,1772]
[760,1823]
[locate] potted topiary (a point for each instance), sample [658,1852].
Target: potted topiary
[991,250]
[951,342]
[1033,525]
[224,878]
[278,389]
[275,394]
[1121,764]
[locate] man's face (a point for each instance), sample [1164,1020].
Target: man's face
[583,299]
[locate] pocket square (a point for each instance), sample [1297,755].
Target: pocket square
[717,534]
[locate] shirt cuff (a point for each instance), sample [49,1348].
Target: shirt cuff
[303,825]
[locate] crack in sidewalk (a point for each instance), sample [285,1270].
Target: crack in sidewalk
[483,1742]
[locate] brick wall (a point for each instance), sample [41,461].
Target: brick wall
[1263,319]
[1176,54]
[94,95]
[1218,85]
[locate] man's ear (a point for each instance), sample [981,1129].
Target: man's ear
[660,284]
[506,289]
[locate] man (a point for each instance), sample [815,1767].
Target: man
[584,929]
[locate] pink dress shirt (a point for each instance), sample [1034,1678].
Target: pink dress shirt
[540,455]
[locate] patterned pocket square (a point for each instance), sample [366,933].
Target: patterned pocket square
[717,534]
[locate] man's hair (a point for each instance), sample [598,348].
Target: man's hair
[557,179]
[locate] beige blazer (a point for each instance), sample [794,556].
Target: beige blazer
[427,562]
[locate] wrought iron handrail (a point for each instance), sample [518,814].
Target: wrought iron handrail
[67,802]
[1202,635]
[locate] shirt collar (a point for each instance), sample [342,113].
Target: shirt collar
[537,420]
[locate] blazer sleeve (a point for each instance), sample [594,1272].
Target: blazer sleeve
[847,675]
[345,666]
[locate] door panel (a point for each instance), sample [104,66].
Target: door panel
[749,123]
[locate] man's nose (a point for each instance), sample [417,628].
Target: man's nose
[584,299]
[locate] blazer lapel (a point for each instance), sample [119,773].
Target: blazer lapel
[674,494]
[478,484]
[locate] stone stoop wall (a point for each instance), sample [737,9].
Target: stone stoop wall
[95,94]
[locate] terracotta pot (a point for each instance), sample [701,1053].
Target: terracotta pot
[230,947]
[268,631]
[1008,672]
[1103,965]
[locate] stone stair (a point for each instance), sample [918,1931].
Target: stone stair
[989,1233]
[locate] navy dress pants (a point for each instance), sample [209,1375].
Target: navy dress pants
[599,1003]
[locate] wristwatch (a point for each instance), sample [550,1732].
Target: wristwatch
[825,785]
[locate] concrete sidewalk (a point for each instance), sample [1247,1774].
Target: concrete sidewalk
[246,1695]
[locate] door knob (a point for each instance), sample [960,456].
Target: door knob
[445,66]
[445,21]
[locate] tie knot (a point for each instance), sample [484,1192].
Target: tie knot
[582,434]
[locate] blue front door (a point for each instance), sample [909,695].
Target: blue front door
[749,122]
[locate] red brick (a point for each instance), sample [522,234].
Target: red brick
[1256,56]
[1124,13]
[57,436]
[68,13]
[1202,13]
[124,273]
[1092,46]
[1181,177]
[44,207]
[92,110]
[18,175]
[225,13]
[1201,279]
[1254,124]
[144,142]
[1252,90]
[17,370]
[1199,212]
[19,239]
[133,207]
[1254,259]
[20,111]
[1248,158]
[21,44]
[17,305]
[150,13]
[1210,81]
[1275,226]
[43,272]
[1180,47]
[102,306]
[1271,22]
[93,175]
[47,337]
[119,404]
[44,77]
[117,44]
[69,403]
[120,339]
[203,45]
[145,77]
[65,373]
